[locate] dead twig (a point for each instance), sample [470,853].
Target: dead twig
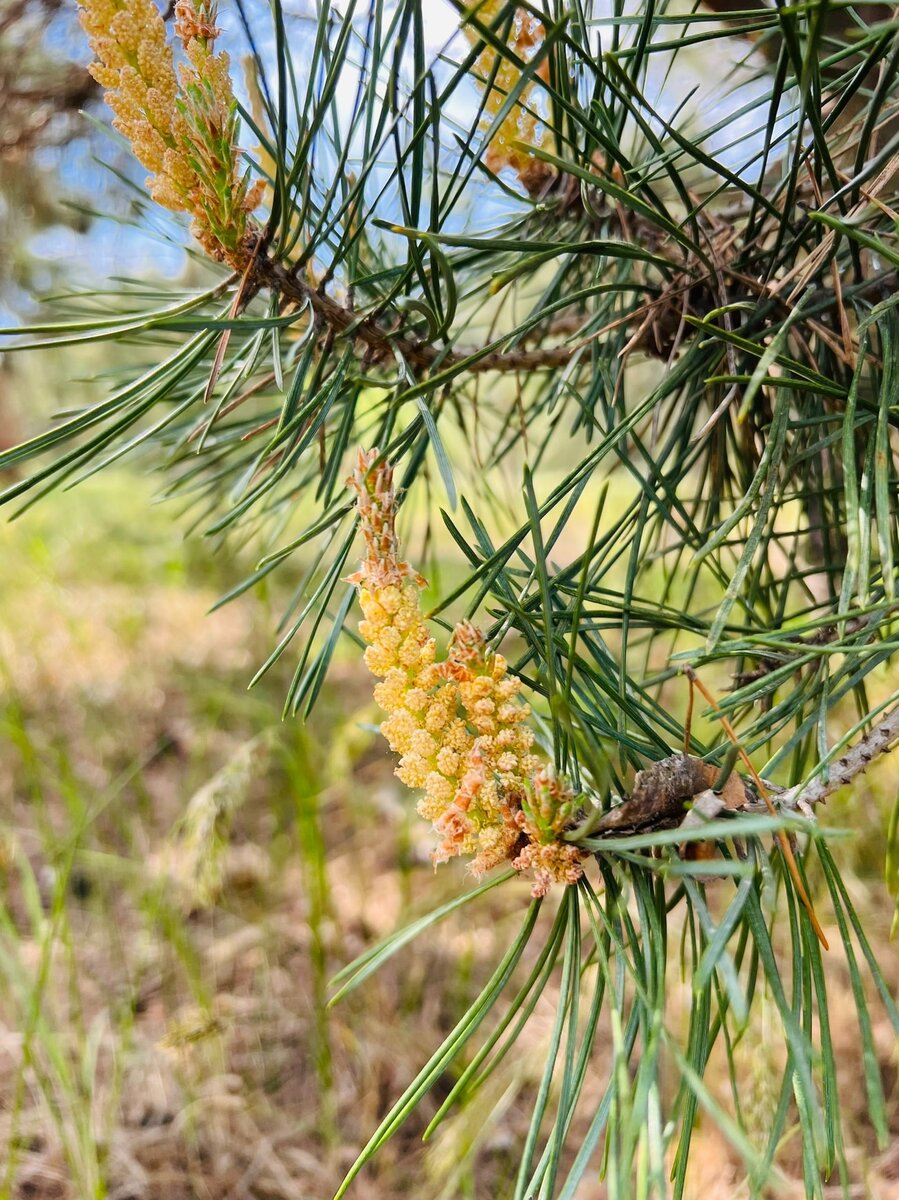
[854,762]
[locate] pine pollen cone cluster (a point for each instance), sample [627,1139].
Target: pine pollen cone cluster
[521,126]
[458,725]
[182,124]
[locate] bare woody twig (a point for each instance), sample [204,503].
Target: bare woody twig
[382,344]
[844,770]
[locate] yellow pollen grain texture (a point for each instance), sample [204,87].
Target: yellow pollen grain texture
[457,725]
[181,122]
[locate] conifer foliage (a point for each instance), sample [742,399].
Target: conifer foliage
[675,322]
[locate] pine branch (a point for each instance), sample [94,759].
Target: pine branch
[662,790]
[825,636]
[652,319]
[382,344]
[749,246]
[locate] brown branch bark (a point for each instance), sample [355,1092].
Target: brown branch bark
[382,344]
[854,762]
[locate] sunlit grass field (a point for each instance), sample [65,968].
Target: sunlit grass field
[183,872]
